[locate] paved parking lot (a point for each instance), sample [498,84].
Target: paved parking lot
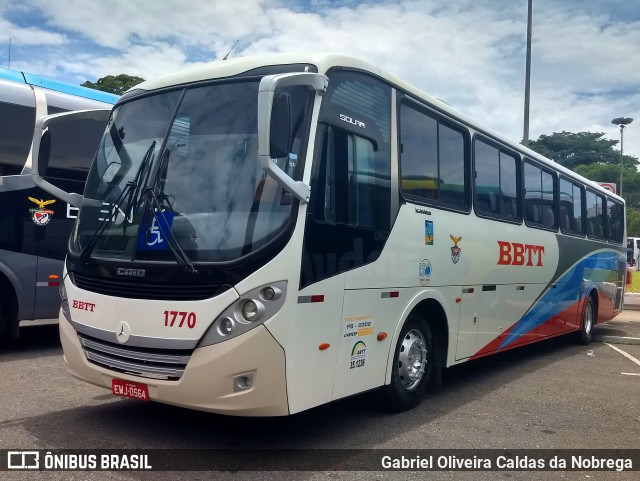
[554,395]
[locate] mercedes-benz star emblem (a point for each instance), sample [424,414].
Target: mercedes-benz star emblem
[123,331]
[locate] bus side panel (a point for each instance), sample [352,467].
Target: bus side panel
[53,238]
[558,309]
[47,297]
[20,269]
[314,343]
[18,247]
[362,358]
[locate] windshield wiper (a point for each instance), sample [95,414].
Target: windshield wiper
[138,180]
[156,211]
[128,188]
[88,249]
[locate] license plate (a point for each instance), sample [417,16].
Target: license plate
[133,390]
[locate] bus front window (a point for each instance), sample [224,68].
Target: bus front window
[215,200]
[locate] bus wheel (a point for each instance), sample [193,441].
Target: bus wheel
[412,366]
[586,329]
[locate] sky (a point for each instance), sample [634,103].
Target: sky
[471,53]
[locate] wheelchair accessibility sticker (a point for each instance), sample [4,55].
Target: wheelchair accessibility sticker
[154,237]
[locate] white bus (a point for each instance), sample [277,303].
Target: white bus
[633,252]
[263,235]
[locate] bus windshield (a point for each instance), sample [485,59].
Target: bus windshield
[182,167]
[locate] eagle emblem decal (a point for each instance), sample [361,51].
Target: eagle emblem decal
[455,250]
[41,216]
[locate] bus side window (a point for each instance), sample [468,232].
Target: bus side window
[352,181]
[615,218]
[496,182]
[433,160]
[570,207]
[73,146]
[353,186]
[15,136]
[595,215]
[540,196]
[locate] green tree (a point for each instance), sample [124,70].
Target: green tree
[116,84]
[583,148]
[633,222]
[592,156]
[611,173]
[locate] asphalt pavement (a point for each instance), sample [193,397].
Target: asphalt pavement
[624,328]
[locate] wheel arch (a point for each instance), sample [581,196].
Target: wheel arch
[9,307]
[431,307]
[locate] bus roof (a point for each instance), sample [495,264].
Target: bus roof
[77,90]
[325,61]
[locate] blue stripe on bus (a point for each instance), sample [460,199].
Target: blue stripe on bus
[596,268]
[77,90]
[12,75]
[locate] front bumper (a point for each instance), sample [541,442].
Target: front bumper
[208,380]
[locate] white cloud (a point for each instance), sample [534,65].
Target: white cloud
[159,58]
[29,35]
[119,23]
[586,61]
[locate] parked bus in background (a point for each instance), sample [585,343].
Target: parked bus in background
[288,230]
[34,225]
[633,252]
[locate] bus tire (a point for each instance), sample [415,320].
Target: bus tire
[583,336]
[412,366]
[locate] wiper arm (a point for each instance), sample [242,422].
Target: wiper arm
[179,254]
[128,188]
[138,180]
[106,221]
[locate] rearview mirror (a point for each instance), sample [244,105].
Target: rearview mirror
[280,135]
[38,160]
[275,124]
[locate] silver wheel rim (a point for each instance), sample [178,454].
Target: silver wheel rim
[412,359]
[588,318]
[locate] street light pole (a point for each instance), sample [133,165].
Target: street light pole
[622,122]
[527,77]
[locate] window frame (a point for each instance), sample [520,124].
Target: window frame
[340,127]
[23,135]
[623,220]
[556,193]
[604,215]
[519,182]
[449,122]
[582,188]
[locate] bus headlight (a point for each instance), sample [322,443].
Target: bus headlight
[252,309]
[64,301]
[225,326]
[269,293]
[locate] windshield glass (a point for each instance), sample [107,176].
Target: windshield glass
[182,167]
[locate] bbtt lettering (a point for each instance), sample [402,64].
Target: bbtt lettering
[83,306]
[516,254]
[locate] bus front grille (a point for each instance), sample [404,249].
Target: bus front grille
[148,290]
[149,363]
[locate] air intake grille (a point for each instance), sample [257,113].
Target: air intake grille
[150,363]
[148,290]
